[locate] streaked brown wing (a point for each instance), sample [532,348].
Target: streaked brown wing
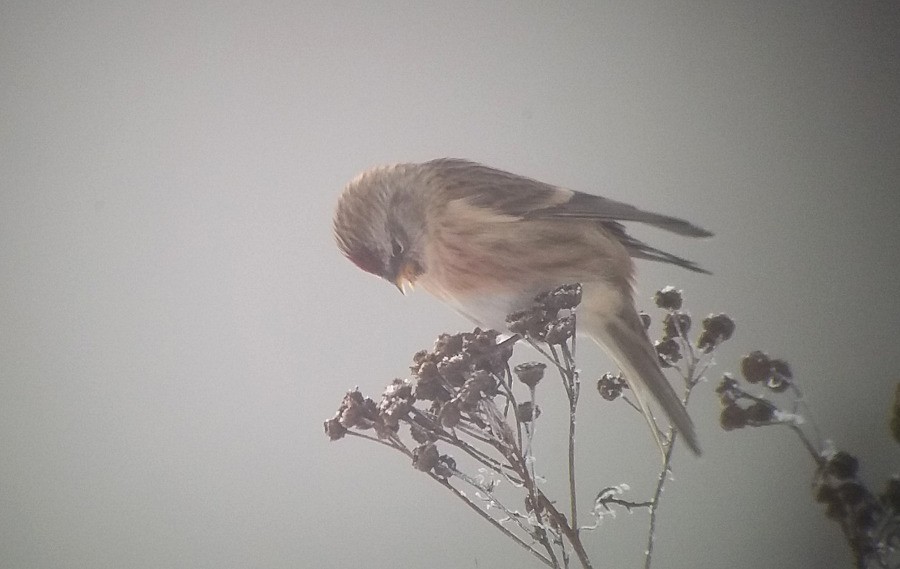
[587,206]
[515,195]
[500,191]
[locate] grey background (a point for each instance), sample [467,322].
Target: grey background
[175,321]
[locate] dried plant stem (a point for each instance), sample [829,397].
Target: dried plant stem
[517,460]
[570,379]
[462,396]
[691,377]
[571,534]
[654,502]
[810,448]
[548,561]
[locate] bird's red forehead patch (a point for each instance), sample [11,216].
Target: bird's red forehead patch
[366,260]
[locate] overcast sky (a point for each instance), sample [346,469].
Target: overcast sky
[176,322]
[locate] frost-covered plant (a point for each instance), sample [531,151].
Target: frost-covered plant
[464,404]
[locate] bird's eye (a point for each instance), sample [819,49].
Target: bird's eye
[398,248]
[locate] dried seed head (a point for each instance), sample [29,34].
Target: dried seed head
[717,328]
[611,385]
[421,434]
[357,411]
[891,495]
[781,376]
[560,330]
[564,297]
[669,352]
[425,457]
[450,415]
[760,413]
[676,324]
[852,493]
[842,465]
[395,403]
[445,466]
[668,298]
[733,417]
[755,367]
[728,389]
[334,429]
[429,383]
[528,411]
[530,373]
[542,318]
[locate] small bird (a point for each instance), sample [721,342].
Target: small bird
[486,242]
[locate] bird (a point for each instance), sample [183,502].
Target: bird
[486,242]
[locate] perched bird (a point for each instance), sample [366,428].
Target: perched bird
[487,242]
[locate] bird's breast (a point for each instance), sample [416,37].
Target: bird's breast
[487,265]
[488,310]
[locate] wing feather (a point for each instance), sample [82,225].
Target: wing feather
[510,194]
[587,206]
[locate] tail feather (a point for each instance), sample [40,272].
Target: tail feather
[627,344]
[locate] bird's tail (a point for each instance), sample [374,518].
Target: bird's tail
[624,339]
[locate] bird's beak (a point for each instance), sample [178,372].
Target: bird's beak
[406,277]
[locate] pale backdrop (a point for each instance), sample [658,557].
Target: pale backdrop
[175,321]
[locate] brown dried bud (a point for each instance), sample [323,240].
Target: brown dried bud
[733,417]
[395,403]
[825,493]
[530,373]
[760,413]
[445,466]
[420,434]
[728,389]
[528,411]
[334,429]
[559,331]
[891,495]
[453,368]
[852,492]
[425,457]
[481,382]
[781,376]
[564,297]
[669,352]
[450,415]
[676,324]
[610,386]
[717,328]
[429,383]
[357,411]
[842,465]
[755,367]
[668,298]
[486,353]
[447,345]
[527,323]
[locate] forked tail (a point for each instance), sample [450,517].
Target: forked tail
[627,344]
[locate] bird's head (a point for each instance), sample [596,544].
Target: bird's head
[379,224]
